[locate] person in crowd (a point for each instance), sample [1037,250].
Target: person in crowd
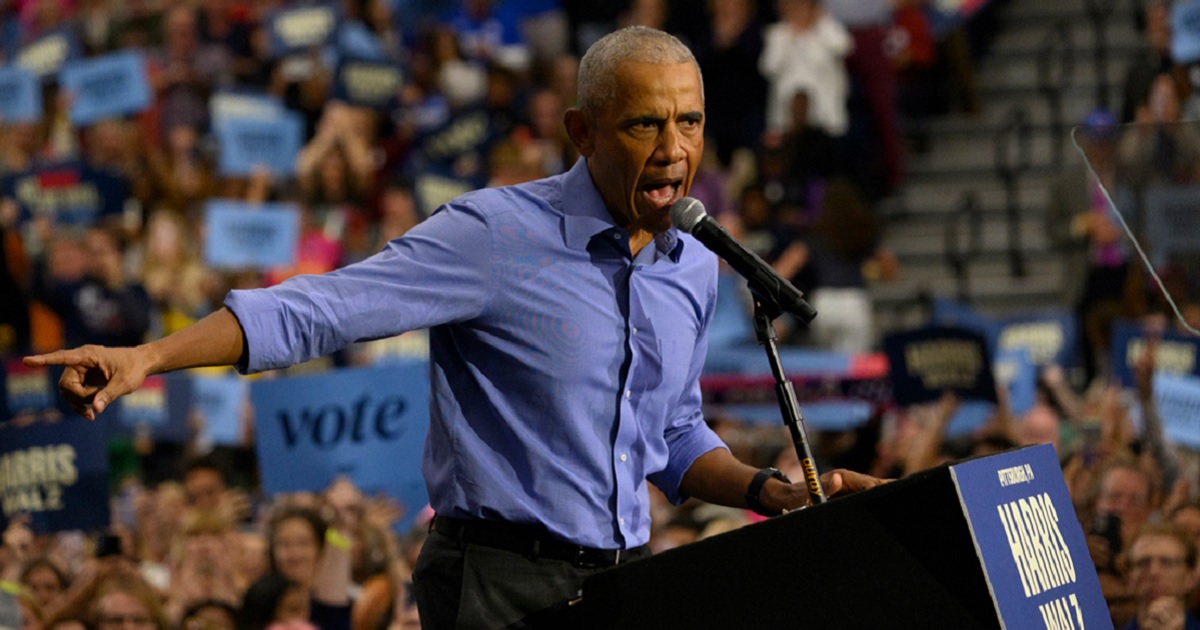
[1162,570]
[201,568]
[178,283]
[97,302]
[639,128]
[209,615]
[1150,59]
[806,50]
[45,580]
[185,71]
[735,101]
[125,600]
[868,22]
[1123,496]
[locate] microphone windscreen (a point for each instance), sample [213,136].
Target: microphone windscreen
[686,213]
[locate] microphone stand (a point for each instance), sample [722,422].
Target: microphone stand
[765,312]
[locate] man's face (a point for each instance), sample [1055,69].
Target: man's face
[1126,493]
[204,488]
[644,148]
[1157,568]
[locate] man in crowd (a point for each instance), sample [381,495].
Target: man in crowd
[567,334]
[1162,570]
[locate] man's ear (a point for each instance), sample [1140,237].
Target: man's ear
[579,129]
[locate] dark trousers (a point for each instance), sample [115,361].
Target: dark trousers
[468,587]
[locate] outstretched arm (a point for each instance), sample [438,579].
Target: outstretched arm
[95,376]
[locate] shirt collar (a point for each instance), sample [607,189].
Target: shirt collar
[585,215]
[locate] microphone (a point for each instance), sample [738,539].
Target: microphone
[688,215]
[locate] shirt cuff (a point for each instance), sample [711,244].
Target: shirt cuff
[258,313]
[685,450]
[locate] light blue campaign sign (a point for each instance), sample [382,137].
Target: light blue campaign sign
[248,143]
[219,400]
[1178,401]
[1185,32]
[355,40]
[20,95]
[240,235]
[827,415]
[1016,373]
[227,105]
[103,87]
[1032,548]
[366,423]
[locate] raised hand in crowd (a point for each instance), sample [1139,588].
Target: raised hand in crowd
[17,548]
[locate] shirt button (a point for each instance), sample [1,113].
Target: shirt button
[634,330]
[621,520]
[624,457]
[628,393]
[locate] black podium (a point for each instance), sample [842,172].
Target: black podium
[966,546]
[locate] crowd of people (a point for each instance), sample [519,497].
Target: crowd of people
[809,108]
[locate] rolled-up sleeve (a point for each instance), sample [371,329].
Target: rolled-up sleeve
[439,272]
[687,435]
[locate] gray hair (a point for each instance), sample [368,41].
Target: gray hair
[597,69]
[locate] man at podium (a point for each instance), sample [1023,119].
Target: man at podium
[568,327]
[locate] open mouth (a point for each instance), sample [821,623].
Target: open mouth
[662,193]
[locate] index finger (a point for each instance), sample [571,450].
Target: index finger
[75,356]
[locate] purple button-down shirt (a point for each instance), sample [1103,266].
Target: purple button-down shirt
[565,372]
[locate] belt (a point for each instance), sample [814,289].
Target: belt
[532,542]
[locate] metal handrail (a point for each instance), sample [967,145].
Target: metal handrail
[1014,157]
[1099,13]
[958,255]
[1055,73]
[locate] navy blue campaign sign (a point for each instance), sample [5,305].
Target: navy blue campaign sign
[249,142]
[240,235]
[432,188]
[25,390]
[1032,548]
[67,193]
[1178,402]
[468,132]
[20,95]
[926,361]
[1176,353]
[1185,32]
[57,472]
[367,83]
[105,87]
[366,423]
[299,29]
[1049,337]
[45,56]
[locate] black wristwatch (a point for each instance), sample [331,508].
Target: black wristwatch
[755,489]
